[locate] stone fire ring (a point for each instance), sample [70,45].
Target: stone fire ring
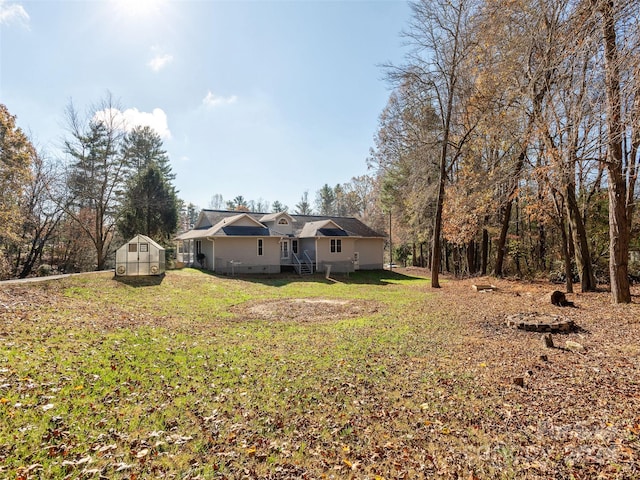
[540,322]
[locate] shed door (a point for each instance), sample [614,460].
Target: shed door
[132,258]
[143,258]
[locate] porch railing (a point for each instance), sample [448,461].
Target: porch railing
[304,265]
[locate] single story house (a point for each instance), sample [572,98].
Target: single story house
[230,242]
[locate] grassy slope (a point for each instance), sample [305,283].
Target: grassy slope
[181,379]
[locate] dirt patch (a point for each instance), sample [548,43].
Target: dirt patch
[306,309]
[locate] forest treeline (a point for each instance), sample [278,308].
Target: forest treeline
[509,146]
[510,142]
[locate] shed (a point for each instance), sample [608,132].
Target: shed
[140,256]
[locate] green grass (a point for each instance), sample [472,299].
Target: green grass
[139,379]
[118,377]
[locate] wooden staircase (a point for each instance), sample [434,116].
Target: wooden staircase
[303,266]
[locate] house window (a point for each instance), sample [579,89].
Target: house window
[283,221]
[259,247]
[336,245]
[144,247]
[294,246]
[284,249]
[198,247]
[133,247]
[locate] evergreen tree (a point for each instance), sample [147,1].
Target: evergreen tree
[303,207]
[150,204]
[279,207]
[325,200]
[238,204]
[142,146]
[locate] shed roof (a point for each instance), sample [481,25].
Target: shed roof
[144,239]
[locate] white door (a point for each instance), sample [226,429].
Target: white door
[356,260]
[284,249]
[143,258]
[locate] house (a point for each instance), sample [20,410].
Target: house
[242,242]
[140,256]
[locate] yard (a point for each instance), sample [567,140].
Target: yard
[371,376]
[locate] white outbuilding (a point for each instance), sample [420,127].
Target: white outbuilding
[140,256]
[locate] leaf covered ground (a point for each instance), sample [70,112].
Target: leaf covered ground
[371,376]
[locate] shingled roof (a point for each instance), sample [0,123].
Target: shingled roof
[214,223]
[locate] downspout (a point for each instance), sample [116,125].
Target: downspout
[316,253]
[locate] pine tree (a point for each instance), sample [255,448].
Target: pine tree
[326,200]
[303,207]
[150,206]
[150,203]
[142,146]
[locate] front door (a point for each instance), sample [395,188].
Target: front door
[356,260]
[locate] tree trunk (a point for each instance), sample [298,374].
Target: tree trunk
[567,257]
[447,255]
[580,241]
[619,223]
[542,248]
[437,222]
[619,236]
[502,240]
[471,257]
[485,250]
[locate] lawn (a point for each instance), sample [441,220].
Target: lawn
[371,376]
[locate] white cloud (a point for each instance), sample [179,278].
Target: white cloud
[156,120]
[13,12]
[159,60]
[212,101]
[132,117]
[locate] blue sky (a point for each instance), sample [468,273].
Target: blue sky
[264,99]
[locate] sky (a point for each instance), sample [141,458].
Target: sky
[265,99]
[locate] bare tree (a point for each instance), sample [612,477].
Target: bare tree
[216,202]
[96,172]
[441,34]
[620,68]
[42,211]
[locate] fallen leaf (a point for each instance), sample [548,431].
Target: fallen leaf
[142,453]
